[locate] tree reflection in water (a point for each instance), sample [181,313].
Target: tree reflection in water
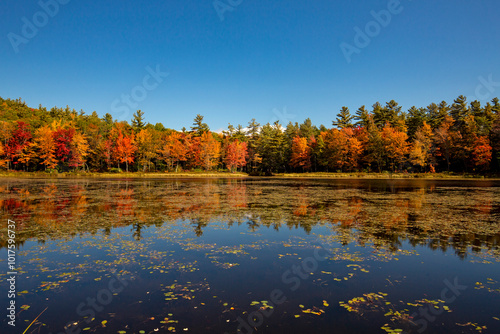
[461,215]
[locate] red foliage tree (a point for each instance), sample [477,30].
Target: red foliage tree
[18,141]
[481,154]
[63,139]
[125,148]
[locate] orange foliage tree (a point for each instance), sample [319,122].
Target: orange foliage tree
[395,145]
[125,148]
[45,146]
[79,150]
[301,153]
[193,154]
[342,149]
[420,153]
[147,147]
[209,150]
[236,153]
[173,149]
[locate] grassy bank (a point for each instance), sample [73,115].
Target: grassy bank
[213,174]
[388,175]
[216,174]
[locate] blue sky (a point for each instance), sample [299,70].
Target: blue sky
[264,60]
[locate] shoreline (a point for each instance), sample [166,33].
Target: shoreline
[239,175]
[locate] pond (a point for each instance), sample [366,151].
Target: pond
[251,256]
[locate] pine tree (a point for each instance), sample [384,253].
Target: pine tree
[415,120]
[199,127]
[437,113]
[138,121]
[272,146]
[307,130]
[344,119]
[361,117]
[496,106]
[459,110]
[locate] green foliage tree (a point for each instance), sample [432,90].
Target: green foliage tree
[272,147]
[415,120]
[390,114]
[199,127]
[138,121]
[307,129]
[459,110]
[361,117]
[344,119]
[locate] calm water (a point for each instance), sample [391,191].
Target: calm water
[259,255]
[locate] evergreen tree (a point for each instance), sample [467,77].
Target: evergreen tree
[482,116]
[344,119]
[374,147]
[253,135]
[379,115]
[271,147]
[415,120]
[230,130]
[307,130]
[199,127]
[459,110]
[436,114]
[253,128]
[496,106]
[361,117]
[291,131]
[239,134]
[138,121]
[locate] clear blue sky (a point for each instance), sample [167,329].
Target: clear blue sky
[265,60]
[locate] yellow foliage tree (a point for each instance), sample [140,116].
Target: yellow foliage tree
[45,146]
[209,150]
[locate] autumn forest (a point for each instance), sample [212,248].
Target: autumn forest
[458,137]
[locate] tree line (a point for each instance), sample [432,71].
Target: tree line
[458,137]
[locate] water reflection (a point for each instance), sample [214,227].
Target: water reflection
[464,216]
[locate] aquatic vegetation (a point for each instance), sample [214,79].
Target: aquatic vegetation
[195,260]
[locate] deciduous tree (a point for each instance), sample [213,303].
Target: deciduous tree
[481,153]
[301,154]
[395,145]
[173,149]
[209,150]
[45,146]
[421,149]
[125,148]
[236,154]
